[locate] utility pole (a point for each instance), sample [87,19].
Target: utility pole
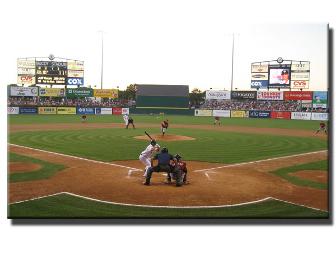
[232,61]
[102,59]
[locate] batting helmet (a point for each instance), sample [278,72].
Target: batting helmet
[153,142]
[164,150]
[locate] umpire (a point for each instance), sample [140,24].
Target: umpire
[164,160]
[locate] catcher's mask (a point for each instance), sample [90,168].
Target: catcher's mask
[178,157]
[164,150]
[153,142]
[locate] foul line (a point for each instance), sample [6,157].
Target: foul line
[166,206]
[75,157]
[258,161]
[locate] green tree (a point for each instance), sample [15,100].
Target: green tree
[196,97]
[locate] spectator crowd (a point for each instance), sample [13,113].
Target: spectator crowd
[78,102]
[261,105]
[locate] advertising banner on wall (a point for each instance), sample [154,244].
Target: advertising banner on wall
[300,66]
[51,92]
[124,111]
[76,65]
[300,76]
[79,92]
[243,95]
[239,114]
[116,111]
[221,113]
[66,110]
[298,95]
[28,110]
[259,76]
[259,68]
[203,112]
[29,71]
[255,84]
[103,110]
[13,110]
[270,95]
[280,115]
[320,99]
[105,93]
[259,114]
[301,115]
[47,110]
[300,84]
[26,63]
[85,110]
[319,116]
[26,80]
[24,91]
[217,94]
[76,73]
[75,81]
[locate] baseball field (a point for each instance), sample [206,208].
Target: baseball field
[245,168]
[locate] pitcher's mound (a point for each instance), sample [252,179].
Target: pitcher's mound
[166,137]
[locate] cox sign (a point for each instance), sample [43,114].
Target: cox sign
[259,84]
[75,81]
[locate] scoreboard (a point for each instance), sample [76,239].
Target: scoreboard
[50,72]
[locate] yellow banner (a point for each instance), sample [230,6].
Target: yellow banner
[47,110]
[66,110]
[108,93]
[239,114]
[51,92]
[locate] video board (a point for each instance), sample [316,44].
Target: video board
[279,76]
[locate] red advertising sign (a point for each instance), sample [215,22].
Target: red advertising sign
[280,115]
[298,95]
[116,111]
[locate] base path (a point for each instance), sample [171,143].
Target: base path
[121,182]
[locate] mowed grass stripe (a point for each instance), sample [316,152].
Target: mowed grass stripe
[176,119]
[67,206]
[209,146]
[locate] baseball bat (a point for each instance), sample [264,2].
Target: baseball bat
[148,135]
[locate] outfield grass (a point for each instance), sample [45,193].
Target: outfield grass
[318,165]
[46,171]
[209,146]
[67,206]
[174,119]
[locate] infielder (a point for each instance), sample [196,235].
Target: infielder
[217,121]
[164,126]
[125,117]
[146,156]
[322,127]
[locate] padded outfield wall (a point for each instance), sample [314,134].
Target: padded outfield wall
[149,96]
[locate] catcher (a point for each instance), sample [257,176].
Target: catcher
[164,165]
[164,126]
[180,167]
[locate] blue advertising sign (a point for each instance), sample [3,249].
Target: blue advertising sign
[320,99]
[262,84]
[85,110]
[28,110]
[98,110]
[75,81]
[259,114]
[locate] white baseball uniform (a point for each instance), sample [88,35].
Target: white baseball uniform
[146,155]
[125,119]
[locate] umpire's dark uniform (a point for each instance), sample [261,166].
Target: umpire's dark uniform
[164,159]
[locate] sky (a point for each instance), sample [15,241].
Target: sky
[162,47]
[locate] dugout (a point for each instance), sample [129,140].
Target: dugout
[162,97]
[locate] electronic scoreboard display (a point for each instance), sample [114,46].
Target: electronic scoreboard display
[51,68]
